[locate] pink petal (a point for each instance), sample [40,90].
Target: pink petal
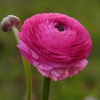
[83,63]
[77,67]
[53,77]
[44,73]
[45,66]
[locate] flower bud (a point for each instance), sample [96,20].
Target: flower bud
[8,22]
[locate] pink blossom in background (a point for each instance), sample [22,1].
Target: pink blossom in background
[56,44]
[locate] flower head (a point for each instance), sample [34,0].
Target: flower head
[56,44]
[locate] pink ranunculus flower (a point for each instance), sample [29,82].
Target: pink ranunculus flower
[56,44]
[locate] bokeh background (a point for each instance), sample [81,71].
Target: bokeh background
[12,77]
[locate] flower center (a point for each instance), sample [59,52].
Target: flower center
[59,27]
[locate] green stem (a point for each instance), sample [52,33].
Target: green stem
[28,78]
[46,88]
[15,30]
[27,69]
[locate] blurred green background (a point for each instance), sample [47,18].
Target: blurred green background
[12,76]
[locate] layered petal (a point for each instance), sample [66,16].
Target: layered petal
[56,44]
